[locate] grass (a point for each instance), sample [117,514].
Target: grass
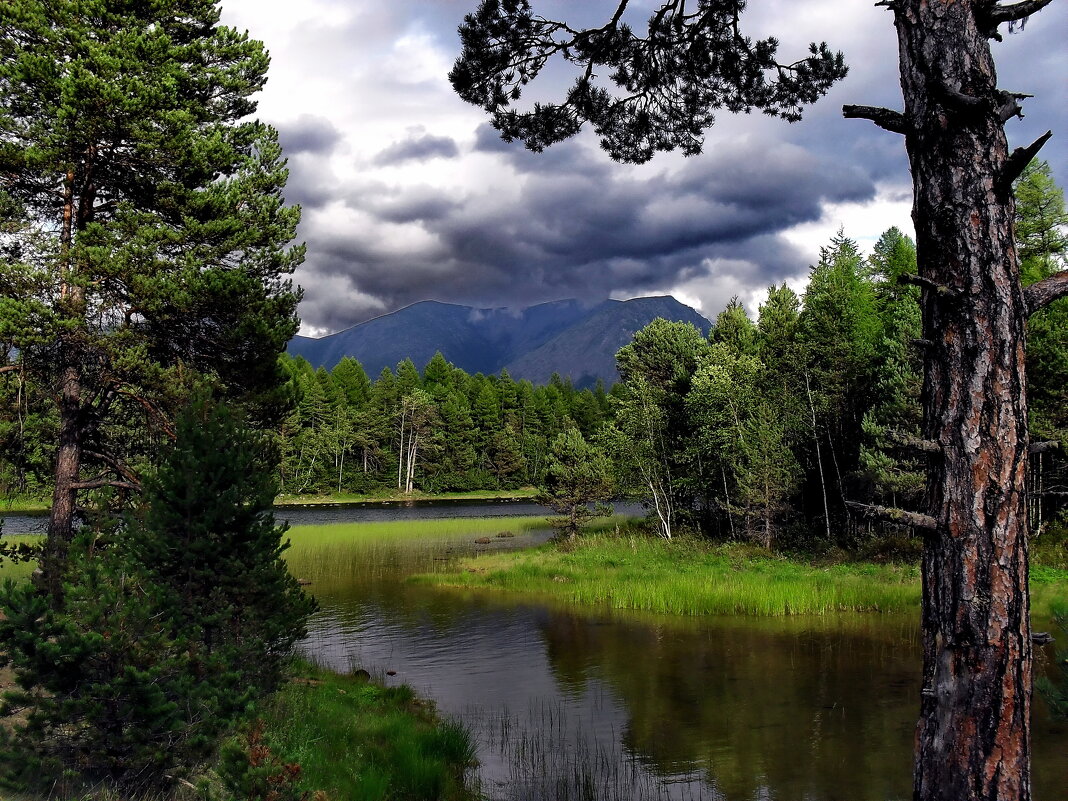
[354,740]
[397,531]
[386,496]
[24,503]
[359,741]
[688,577]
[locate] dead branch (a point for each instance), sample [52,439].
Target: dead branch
[885,118]
[899,516]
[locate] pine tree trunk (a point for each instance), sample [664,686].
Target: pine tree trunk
[973,735]
[71,429]
[64,493]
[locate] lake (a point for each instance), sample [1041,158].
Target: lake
[569,703]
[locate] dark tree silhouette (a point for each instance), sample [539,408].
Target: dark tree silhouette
[973,735]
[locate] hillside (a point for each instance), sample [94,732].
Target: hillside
[566,337]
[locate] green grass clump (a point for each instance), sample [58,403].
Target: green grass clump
[359,741]
[688,577]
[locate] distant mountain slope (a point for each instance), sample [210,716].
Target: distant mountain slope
[587,350]
[564,336]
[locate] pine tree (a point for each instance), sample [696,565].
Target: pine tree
[151,229]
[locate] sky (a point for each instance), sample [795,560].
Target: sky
[409,195]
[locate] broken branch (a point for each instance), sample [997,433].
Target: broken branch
[1018,160]
[885,118]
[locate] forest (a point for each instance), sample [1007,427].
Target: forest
[769,430]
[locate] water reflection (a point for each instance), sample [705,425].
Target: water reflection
[566,701]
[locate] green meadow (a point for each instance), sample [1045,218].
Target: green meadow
[691,577]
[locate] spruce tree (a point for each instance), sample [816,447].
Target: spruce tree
[177,622]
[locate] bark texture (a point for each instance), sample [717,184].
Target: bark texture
[973,734]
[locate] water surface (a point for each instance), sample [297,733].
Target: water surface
[598,704]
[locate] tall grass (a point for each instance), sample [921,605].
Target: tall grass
[359,741]
[693,578]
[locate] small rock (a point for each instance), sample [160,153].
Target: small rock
[505,535]
[1041,638]
[304,582]
[391,673]
[483,541]
[361,675]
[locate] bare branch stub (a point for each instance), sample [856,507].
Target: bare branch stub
[1018,160]
[885,118]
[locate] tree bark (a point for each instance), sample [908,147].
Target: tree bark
[973,738]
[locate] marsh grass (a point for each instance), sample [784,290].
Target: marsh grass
[689,577]
[359,741]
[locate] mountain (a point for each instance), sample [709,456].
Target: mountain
[565,336]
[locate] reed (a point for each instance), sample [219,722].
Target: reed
[688,577]
[360,741]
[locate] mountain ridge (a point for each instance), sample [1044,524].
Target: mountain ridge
[576,340]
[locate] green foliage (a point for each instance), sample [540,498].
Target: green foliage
[578,475]
[665,88]
[169,628]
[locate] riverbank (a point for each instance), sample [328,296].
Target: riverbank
[353,738]
[30,505]
[690,577]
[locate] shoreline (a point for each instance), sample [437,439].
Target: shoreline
[41,506]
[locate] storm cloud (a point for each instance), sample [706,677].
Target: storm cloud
[409,194]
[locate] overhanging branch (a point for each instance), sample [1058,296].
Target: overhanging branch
[1039,295]
[999,14]
[899,516]
[885,118]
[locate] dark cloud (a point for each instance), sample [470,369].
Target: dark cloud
[418,148]
[586,234]
[308,134]
[494,224]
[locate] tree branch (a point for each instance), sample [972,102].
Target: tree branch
[1041,294]
[999,14]
[885,118]
[119,467]
[927,283]
[7,368]
[1036,448]
[1018,160]
[899,516]
[97,483]
[915,443]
